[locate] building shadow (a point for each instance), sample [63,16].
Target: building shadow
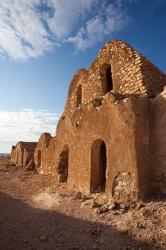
[24,227]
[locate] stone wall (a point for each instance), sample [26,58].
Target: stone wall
[154,79]
[131,73]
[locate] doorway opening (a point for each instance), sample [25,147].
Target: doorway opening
[98,166]
[109,84]
[39,159]
[79,96]
[63,165]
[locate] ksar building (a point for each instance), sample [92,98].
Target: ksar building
[111,137]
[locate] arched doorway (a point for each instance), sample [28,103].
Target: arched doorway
[98,166]
[39,159]
[106,74]
[63,164]
[109,84]
[78,96]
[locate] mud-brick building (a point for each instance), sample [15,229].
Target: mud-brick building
[110,137]
[23,153]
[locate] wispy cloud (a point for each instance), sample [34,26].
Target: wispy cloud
[108,20]
[68,16]
[28,29]
[26,125]
[22,31]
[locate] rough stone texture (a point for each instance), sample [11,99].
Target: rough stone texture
[131,74]
[123,186]
[104,136]
[23,153]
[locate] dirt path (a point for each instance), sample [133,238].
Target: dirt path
[36,214]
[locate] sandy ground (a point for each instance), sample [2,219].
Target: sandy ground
[37,214]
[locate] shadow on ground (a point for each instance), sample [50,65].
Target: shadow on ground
[25,227]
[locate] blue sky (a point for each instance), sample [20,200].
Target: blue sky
[44,42]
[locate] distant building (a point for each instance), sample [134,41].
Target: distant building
[23,153]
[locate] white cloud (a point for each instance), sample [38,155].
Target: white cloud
[67,14]
[110,20]
[30,28]
[22,32]
[26,125]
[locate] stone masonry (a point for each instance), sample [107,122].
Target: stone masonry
[111,137]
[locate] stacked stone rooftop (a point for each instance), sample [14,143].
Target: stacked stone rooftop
[132,74]
[26,144]
[45,139]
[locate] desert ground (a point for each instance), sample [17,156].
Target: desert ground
[37,214]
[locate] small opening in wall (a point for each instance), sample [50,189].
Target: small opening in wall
[63,165]
[39,158]
[98,166]
[109,84]
[79,96]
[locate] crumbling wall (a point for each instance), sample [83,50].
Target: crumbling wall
[123,188]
